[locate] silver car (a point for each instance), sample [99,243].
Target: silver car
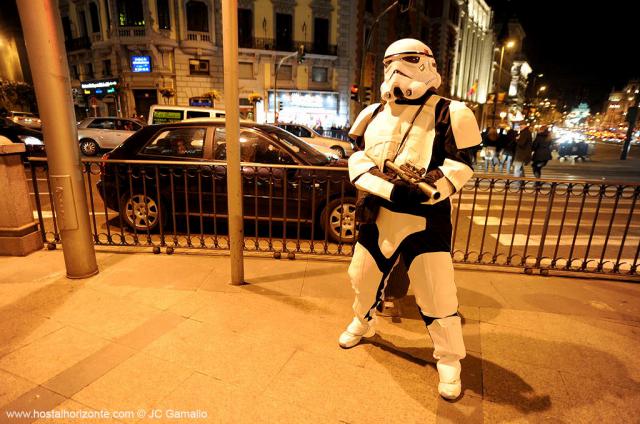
[341,148]
[105,133]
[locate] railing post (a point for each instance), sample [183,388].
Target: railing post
[48,59]
[232,128]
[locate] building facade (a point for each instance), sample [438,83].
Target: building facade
[458,32]
[472,77]
[125,55]
[618,103]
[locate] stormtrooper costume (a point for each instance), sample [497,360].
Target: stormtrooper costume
[417,127]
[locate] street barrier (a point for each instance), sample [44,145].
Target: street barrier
[542,225]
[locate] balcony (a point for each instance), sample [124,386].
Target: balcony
[198,41]
[273,44]
[129,32]
[80,43]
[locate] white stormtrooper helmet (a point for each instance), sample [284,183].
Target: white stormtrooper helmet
[409,70]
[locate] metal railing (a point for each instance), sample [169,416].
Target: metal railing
[573,226]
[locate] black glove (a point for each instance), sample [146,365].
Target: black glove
[404,193]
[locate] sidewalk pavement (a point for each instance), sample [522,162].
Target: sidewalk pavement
[168,333]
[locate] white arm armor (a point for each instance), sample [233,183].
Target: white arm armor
[364,117]
[466,134]
[359,166]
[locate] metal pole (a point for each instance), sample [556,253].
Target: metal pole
[232,128]
[495,100]
[275,87]
[50,71]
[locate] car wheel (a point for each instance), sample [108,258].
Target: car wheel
[141,212]
[338,220]
[89,147]
[339,151]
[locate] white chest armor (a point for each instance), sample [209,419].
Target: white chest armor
[384,134]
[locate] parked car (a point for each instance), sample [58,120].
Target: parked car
[322,197]
[26,119]
[105,133]
[342,148]
[32,139]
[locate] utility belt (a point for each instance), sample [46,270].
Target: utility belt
[368,207]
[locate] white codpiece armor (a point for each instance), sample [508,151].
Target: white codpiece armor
[412,229]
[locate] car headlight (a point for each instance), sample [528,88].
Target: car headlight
[30,140]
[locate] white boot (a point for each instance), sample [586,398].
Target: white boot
[355,332]
[450,385]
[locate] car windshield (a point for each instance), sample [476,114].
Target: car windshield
[298,146]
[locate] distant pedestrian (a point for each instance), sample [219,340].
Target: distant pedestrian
[541,151]
[508,150]
[490,142]
[522,154]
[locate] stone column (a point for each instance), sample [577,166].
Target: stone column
[19,233]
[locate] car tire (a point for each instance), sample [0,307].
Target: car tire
[89,147]
[338,220]
[339,151]
[142,213]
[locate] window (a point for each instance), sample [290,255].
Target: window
[319,74]
[83,24]
[106,68]
[103,124]
[198,67]
[164,16]
[130,13]
[127,125]
[66,28]
[177,142]
[284,27]
[320,35]
[253,148]
[197,16]
[89,68]
[245,70]
[298,131]
[95,17]
[245,28]
[285,73]
[74,72]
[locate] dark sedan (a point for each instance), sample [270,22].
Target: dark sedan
[32,139]
[150,197]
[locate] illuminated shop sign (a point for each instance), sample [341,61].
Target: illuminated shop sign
[99,87]
[306,100]
[140,63]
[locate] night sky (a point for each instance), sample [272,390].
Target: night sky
[583,49]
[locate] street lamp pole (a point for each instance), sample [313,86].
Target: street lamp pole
[232,131]
[495,99]
[50,71]
[507,45]
[275,87]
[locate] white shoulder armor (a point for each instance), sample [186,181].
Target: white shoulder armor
[364,117]
[464,125]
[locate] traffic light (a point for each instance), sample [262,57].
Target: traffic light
[367,94]
[300,55]
[280,106]
[354,92]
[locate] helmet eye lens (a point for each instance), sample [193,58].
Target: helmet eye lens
[411,59]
